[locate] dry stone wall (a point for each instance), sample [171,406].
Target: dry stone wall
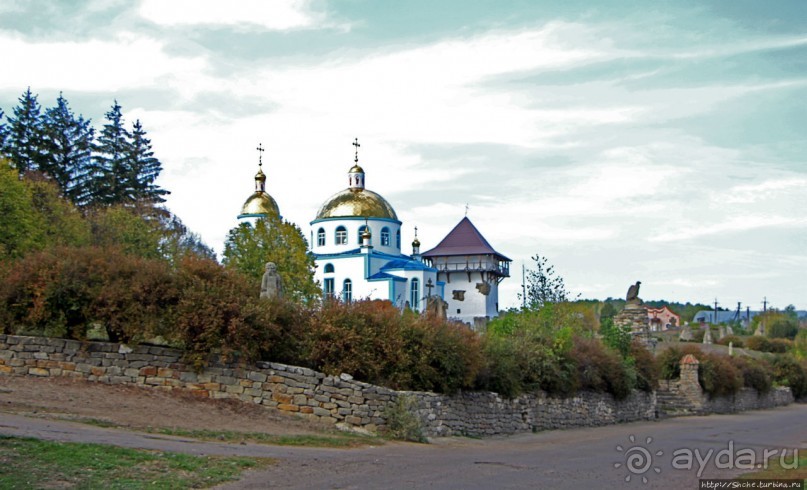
[338,400]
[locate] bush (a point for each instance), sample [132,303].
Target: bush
[374,342]
[668,361]
[780,345]
[756,374]
[788,371]
[402,420]
[718,376]
[647,371]
[758,343]
[732,339]
[601,369]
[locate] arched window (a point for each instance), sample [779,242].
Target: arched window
[347,291]
[414,294]
[385,236]
[329,268]
[361,230]
[341,236]
[321,237]
[398,239]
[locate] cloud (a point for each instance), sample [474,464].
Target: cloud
[730,225]
[279,15]
[751,193]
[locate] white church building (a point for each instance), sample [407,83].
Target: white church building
[356,242]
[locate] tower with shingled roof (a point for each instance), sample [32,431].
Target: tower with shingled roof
[472,271]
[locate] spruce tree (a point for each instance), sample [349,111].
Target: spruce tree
[68,141]
[143,169]
[3,133]
[25,132]
[109,170]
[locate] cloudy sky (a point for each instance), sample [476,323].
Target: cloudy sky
[657,141]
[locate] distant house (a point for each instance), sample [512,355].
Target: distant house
[662,319]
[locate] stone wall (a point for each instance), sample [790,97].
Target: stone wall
[338,400]
[684,396]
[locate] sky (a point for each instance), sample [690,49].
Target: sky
[662,142]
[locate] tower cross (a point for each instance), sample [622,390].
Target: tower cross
[357,145]
[260,154]
[466,209]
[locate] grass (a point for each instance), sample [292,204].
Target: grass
[334,440]
[32,463]
[341,440]
[775,471]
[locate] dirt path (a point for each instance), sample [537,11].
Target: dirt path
[139,408]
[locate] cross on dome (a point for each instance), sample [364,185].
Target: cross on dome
[260,154]
[357,145]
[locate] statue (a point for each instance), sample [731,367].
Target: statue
[271,284]
[436,307]
[633,294]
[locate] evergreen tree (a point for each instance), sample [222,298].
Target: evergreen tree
[109,169]
[143,169]
[3,133]
[68,141]
[25,132]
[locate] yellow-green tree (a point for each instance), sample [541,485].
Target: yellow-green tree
[249,247]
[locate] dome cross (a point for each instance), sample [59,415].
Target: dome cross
[357,145]
[260,154]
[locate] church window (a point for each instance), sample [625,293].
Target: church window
[327,288]
[361,230]
[341,236]
[385,236]
[347,291]
[320,237]
[414,294]
[328,268]
[398,238]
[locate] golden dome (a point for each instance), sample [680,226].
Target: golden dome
[259,204]
[358,203]
[355,169]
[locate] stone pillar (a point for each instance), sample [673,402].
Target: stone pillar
[689,385]
[707,335]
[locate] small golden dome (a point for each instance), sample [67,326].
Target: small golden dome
[355,169]
[415,243]
[356,203]
[259,204]
[260,176]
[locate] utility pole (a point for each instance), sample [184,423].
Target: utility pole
[714,322]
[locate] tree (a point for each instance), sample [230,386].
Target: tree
[68,142]
[110,168]
[3,133]
[20,226]
[248,248]
[543,285]
[143,169]
[25,134]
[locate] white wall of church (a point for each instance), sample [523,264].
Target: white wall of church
[352,227]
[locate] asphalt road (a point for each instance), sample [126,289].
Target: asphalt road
[576,458]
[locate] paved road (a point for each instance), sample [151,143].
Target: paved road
[577,458]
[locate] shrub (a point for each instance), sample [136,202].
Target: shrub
[718,376]
[756,374]
[788,371]
[647,371]
[758,343]
[601,369]
[732,339]
[375,342]
[668,361]
[402,420]
[780,345]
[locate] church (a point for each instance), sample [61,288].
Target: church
[356,242]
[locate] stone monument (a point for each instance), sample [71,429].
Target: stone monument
[271,284]
[707,335]
[634,315]
[437,307]
[686,333]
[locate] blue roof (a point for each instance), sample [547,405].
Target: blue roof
[407,265]
[378,276]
